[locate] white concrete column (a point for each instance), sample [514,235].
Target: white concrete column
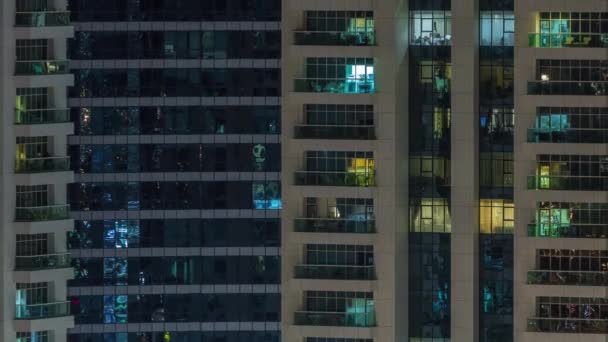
[465,171]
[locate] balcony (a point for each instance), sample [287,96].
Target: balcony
[334,178]
[349,132]
[591,88]
[36,68]
[568,135]
[335,272]
[568,325]
[42,19]
[336,319]
[335,38]
[574,40]
[571,230]
[329,225]
[335,85]
[580,278]
[46,213]
[42,262]
[45,164]
[41,116]
[575,183]
[42,311]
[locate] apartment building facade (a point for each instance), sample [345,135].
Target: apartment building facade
[35,171]
[442,170]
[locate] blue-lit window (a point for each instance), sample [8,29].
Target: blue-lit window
[266,195]
[115,271]
[115,309]
[497,28]
[121,234]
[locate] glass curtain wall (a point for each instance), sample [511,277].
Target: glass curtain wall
[429,173]
[496,170]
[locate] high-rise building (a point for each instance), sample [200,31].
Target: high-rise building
[304,170]
[176,153]
[561,171]
[34,77]
[444,169]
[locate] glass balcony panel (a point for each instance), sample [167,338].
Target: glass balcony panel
[322,225]
[42,262]
[358,132]
[576,183]
[590,88]
[330,178]
[42,19]
[38,165]
[569,135]
[337,85]
[340,319]
[33,68]
[337,272]
[568,325]
[41,116]
[591,231]
[46,213]
[581,278]
[577,40]
[41,311]
[334,38]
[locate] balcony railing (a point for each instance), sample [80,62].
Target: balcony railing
[592,88]
[558,40]
[334,38]
[337,319]
[581,183]
[49,67]
[329,225]
[568,325]
[336,272]
[41,311]
[46,213]
[38,165]
[42,262]
[583,278]
[569,135]
[42,19]
[572,230]
[354,132]
[331,178]
[41,116]
[335,85]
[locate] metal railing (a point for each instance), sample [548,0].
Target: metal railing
[42,19]
[585,278]
[334,178]
[41,311]
[336,272]
[330,225]
[44,164]
[568,135]
[334,38]
[571,230]
[43,213]
[41,116]
[591,88]
[335,85]
[558,40]
[339,319]
[582,183]
[42,67]
[568,325]
[354,132]
[42,262]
